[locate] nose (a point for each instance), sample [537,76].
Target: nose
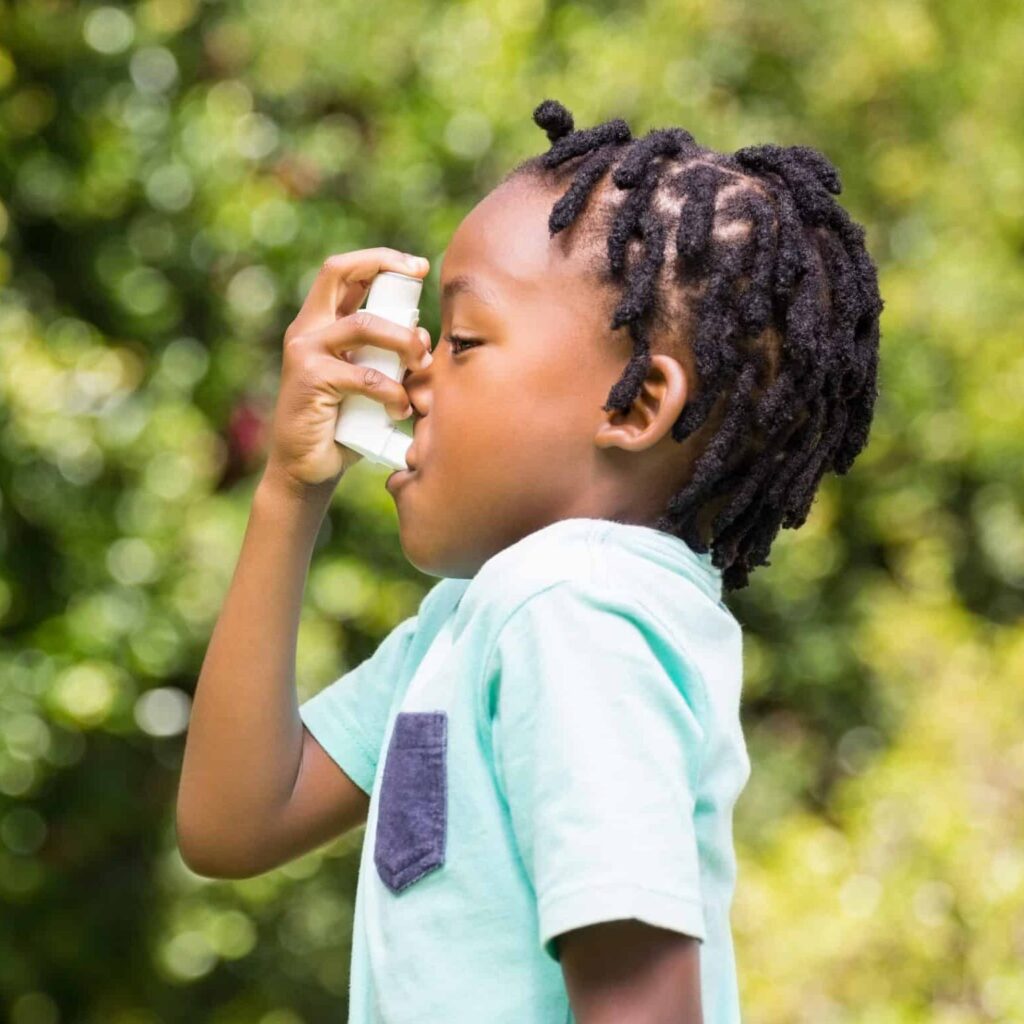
[418,372]
[415,381]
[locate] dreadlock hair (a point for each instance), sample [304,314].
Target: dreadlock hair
[748,260]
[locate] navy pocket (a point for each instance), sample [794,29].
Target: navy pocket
[412,817]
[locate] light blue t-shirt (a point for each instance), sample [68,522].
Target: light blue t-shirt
[552,743]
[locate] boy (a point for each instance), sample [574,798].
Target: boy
[548,754]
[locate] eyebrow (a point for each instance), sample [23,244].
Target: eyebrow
[462,283]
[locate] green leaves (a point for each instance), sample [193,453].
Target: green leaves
[172,175]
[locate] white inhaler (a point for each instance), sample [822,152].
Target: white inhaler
[364,424]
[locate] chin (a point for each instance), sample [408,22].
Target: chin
[434,558]
[417,550]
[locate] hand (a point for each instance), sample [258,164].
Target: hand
[317,373]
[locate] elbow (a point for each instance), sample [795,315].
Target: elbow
[203,855]
[208,862]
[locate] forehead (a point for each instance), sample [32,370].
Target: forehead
[504,245]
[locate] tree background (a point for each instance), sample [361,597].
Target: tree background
[172,174]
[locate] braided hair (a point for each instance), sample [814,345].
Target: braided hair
[749,261]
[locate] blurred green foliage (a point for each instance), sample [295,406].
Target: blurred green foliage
[172,174]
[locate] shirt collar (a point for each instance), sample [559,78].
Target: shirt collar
[666,548]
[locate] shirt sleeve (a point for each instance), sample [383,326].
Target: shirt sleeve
[348,717]
[598,741]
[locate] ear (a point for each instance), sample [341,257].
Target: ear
[661,399]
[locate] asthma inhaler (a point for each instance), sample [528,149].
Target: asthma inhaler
[364,424]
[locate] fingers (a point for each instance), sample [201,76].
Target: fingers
[364,328]
[343,282]
[319,372]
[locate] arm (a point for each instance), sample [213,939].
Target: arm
[628,972]
[256,789]
[598,750]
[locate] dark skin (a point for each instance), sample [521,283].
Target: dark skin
[630,972]
[510,435]
[546,359]
[257,790]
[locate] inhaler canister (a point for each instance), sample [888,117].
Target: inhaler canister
[364,424]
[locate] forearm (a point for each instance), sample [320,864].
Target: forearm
[244,743]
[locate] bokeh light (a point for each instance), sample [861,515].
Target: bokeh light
[174,173]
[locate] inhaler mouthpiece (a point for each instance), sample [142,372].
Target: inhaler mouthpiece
[363,424]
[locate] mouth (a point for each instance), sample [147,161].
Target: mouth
[399,477]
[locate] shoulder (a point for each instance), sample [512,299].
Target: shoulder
[581,662]
[640,564]
[560,553]
[589,614]
[585,634]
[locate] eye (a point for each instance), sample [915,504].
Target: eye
[460,344]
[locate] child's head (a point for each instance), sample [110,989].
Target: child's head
[661,334]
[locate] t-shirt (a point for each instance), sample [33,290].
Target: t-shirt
[550,744]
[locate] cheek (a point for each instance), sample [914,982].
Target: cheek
[542,439]
[566,407]
[538,417]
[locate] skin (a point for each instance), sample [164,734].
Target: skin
[510,435]
[629,972]
[257,790]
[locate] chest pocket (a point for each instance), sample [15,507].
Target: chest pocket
[412,819]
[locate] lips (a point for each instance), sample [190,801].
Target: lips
[395,481]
